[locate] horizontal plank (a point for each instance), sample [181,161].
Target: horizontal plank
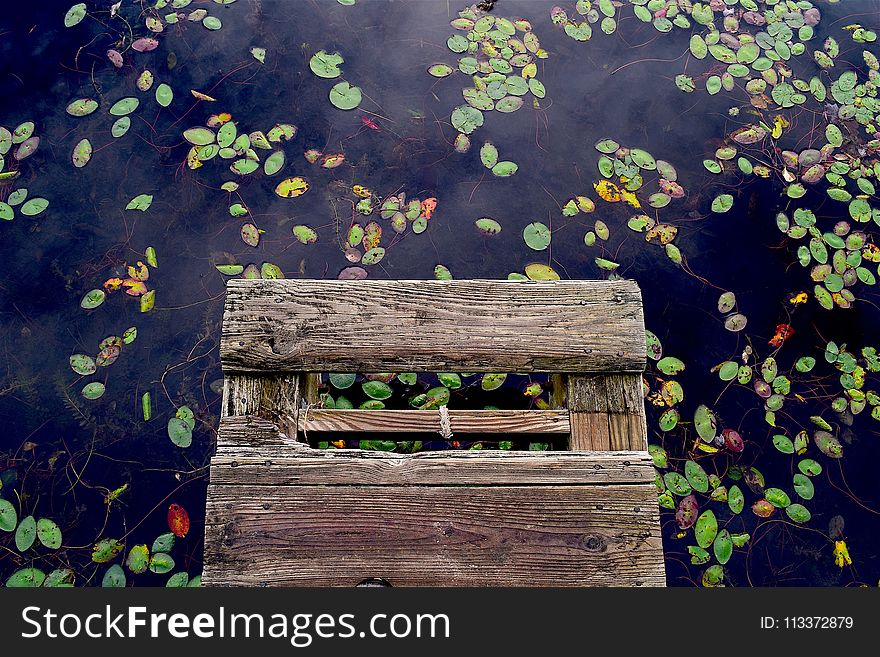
[401,326]
[433,536]
[346,467]
[464,421]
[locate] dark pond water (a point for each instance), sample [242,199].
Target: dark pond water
[61,454]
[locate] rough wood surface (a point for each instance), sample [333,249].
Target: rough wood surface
[607,412]
[464,421]
[275,397]
[433,535]
[400,326]
[300,466]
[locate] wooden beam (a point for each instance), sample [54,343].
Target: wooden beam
[274,397]
[607,412]
[433,536]
[445,326]
[463,421]
[331,467]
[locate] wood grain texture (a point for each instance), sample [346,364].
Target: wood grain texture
[464,421]
[476,325]
[303,466]
[274,397]
[607,412]
[433,536]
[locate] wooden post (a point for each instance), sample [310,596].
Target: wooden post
[607,412]
[274,397]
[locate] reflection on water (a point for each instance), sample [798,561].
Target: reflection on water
[63,455]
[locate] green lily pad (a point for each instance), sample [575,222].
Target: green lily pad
[670,365]
[93,390]
[341,381]
[696,476]
[82,107]
[735,499]
[706,529]
[26,578]
[505,169]
[488,155]
[140,202]
[722,203]
[723,547]
[344,96]
[492,381]
[49,533]
[488,226]
[34,206]
[124,106]
[25,534]
[92,299]
[705,423]
[536,236]
[161,563]
[120,126]
[74,15]
[180,432]
[466,119]
[326,65]
[798,513]
[376,389]
[440,70]
[164,95]
[114,577]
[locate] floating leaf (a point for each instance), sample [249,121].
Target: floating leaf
[541,272]
[722,203]
[93,299]
[305,234]
[487,226]
[536,236]
[124,106]
[82,107]
[505,169]
[178,520]
[696,476]
[26,578]
[179,432]
[140,202]
[74,15]
[488,155]
[292,187]
[49,533]
[440,70]
[706,529]
[705,423]
[344,96]
[164,95]
[26,534]
[466,119]
[82,153]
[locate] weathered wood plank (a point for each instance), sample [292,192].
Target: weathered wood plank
[478,326]
[275,397]
[304,467]
[607,412]
[463,421]
[433,536]
[252,432]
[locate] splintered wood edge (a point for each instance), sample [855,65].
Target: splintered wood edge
[475,325]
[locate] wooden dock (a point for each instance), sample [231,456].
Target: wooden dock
[280,513]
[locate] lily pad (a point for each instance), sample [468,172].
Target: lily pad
[344,96]
[124,106]
[74,15]
[722,203]
[536,236]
